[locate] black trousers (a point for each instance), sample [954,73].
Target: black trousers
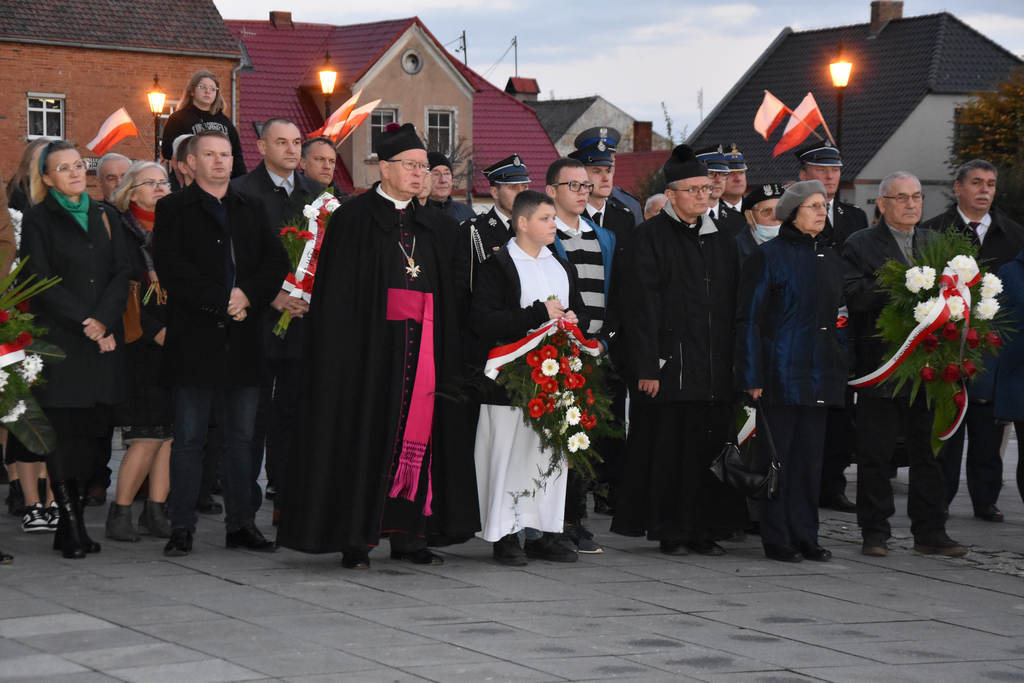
[839,439]
[799,436]
[276,418]
[879,422]
[1018,428]
[82,442]
[984,464]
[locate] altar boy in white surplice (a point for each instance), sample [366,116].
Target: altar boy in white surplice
[522,287]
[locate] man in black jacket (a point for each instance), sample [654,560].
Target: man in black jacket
[442,184]
[284,193]
[998,239]
[679,323]
[881,418]
[221,265]
[729,221]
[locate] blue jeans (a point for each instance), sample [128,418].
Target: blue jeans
[236,416]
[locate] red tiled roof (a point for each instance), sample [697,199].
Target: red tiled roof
[285,59]
[527,86]
[632,168]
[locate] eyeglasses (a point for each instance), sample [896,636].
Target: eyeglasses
[78,166]
[904,198]
[576,186]
[152,184]
[817,206]
[693,190]
[409,164]
[768,212]
[207,88]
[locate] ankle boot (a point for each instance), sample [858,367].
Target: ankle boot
[154,521]
[119,524]
[67,539]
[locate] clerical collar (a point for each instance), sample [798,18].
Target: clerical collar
[706,227]
[288,182]
[572,232]
[400,204]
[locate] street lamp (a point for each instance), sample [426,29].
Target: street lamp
[840,70]
[156,106]
[328,79]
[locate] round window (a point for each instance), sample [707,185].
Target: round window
[411,62]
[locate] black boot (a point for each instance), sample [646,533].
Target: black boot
[15,498]
[71,538]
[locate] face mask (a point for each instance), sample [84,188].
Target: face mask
[766,232]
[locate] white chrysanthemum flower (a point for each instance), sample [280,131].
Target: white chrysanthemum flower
[332,204]
[578,442]
[914,279]
[572,415]
[986,309]
[30,368]
[310,212]
[3,379]
[965,266]
[549,367]
[990,286]
[16,223]
[928,275]
[956,308]
[575,364]
[16,412]
[568,399]
[922,310]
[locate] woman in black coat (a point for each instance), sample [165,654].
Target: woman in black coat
[202,108]
[66,234]
[789,357]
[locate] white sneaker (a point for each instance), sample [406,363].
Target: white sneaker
[34,520]
[52,516]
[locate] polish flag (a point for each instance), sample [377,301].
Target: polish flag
[351,123]
[338,117]
[769,114]
[117,127]
[802,123]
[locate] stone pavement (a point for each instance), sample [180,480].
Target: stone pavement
[130,614]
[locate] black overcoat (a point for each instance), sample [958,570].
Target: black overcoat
[1003,241]
[204,346]
[848,219]
[340,463]
[93,268]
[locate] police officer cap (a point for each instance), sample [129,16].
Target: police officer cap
[714,159]
[819,154]
[735,159]
[508,170]
[761,193]
[594,155]
[602,137]
[683,164]
[395,139]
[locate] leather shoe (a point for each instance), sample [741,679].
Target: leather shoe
[507,551]
[180,543]
[781,553]
[548,548]
[250,538]
[706,547]
[874,548]
[839,503]
[814,552]
[355,559]
[939,544]
[989,513]
[421,556]
[673,548]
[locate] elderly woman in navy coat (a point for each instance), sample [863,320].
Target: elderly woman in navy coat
[788,355]
[1008,396]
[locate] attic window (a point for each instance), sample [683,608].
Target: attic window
[412,62]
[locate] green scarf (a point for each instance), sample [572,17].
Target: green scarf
[79,211]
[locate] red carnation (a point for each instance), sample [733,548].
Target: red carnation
[304,235]
[4,316]
[548,351]
[951,373]
[930,343]
[580,381]
[928,374]
[549,404]
[993,339]
[24,339]
[538,376]
[289,230]
[24,306]
[950,332]
[969,368]
[533,359]
[972,338]
[536,407]
[550,385]
[958,399]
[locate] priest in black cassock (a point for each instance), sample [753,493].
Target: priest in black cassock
[378,452]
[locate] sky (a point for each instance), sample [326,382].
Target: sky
[660,51]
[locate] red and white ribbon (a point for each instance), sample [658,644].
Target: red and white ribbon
[11,353]
[749,427]
[300,283]
[500,355]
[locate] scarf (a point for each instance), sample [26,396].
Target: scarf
[145,218]
[79,211]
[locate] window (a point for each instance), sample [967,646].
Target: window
[45,115]
[439,132]
[379,119]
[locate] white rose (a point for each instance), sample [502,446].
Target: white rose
[572,416]
[922,310]
[310,212]
[956,308]
[549,367]
[986,309]
[990,286]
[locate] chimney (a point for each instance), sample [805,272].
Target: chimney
[642,136]
[883,11]
[283,19]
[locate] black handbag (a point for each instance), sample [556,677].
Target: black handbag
[743,474]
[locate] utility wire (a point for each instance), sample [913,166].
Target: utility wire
[503,55]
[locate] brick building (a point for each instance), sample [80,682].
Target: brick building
[65,67]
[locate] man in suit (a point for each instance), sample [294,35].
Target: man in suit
[319,161]
[221,265]
[736,182]
[283,193]
[999,239]
[822,161]
[727,220]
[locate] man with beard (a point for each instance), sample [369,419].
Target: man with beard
[377,452]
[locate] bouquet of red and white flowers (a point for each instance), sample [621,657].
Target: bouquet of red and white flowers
[941,321]
[556,377]
[302,237]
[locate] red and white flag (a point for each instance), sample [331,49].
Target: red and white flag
[337,118]
[117,127]
[357,116]
[769,114]
[802,123]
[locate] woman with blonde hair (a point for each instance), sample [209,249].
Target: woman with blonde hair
[147,413]
[18,186]
[202,108]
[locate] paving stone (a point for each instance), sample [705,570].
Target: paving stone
[25,627]
[496,671]
[75,641]
[37,666]
[107,659]
[591,668]
[202,671]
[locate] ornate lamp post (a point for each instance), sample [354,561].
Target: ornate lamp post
[328,79]
[840,69]
[156,106]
